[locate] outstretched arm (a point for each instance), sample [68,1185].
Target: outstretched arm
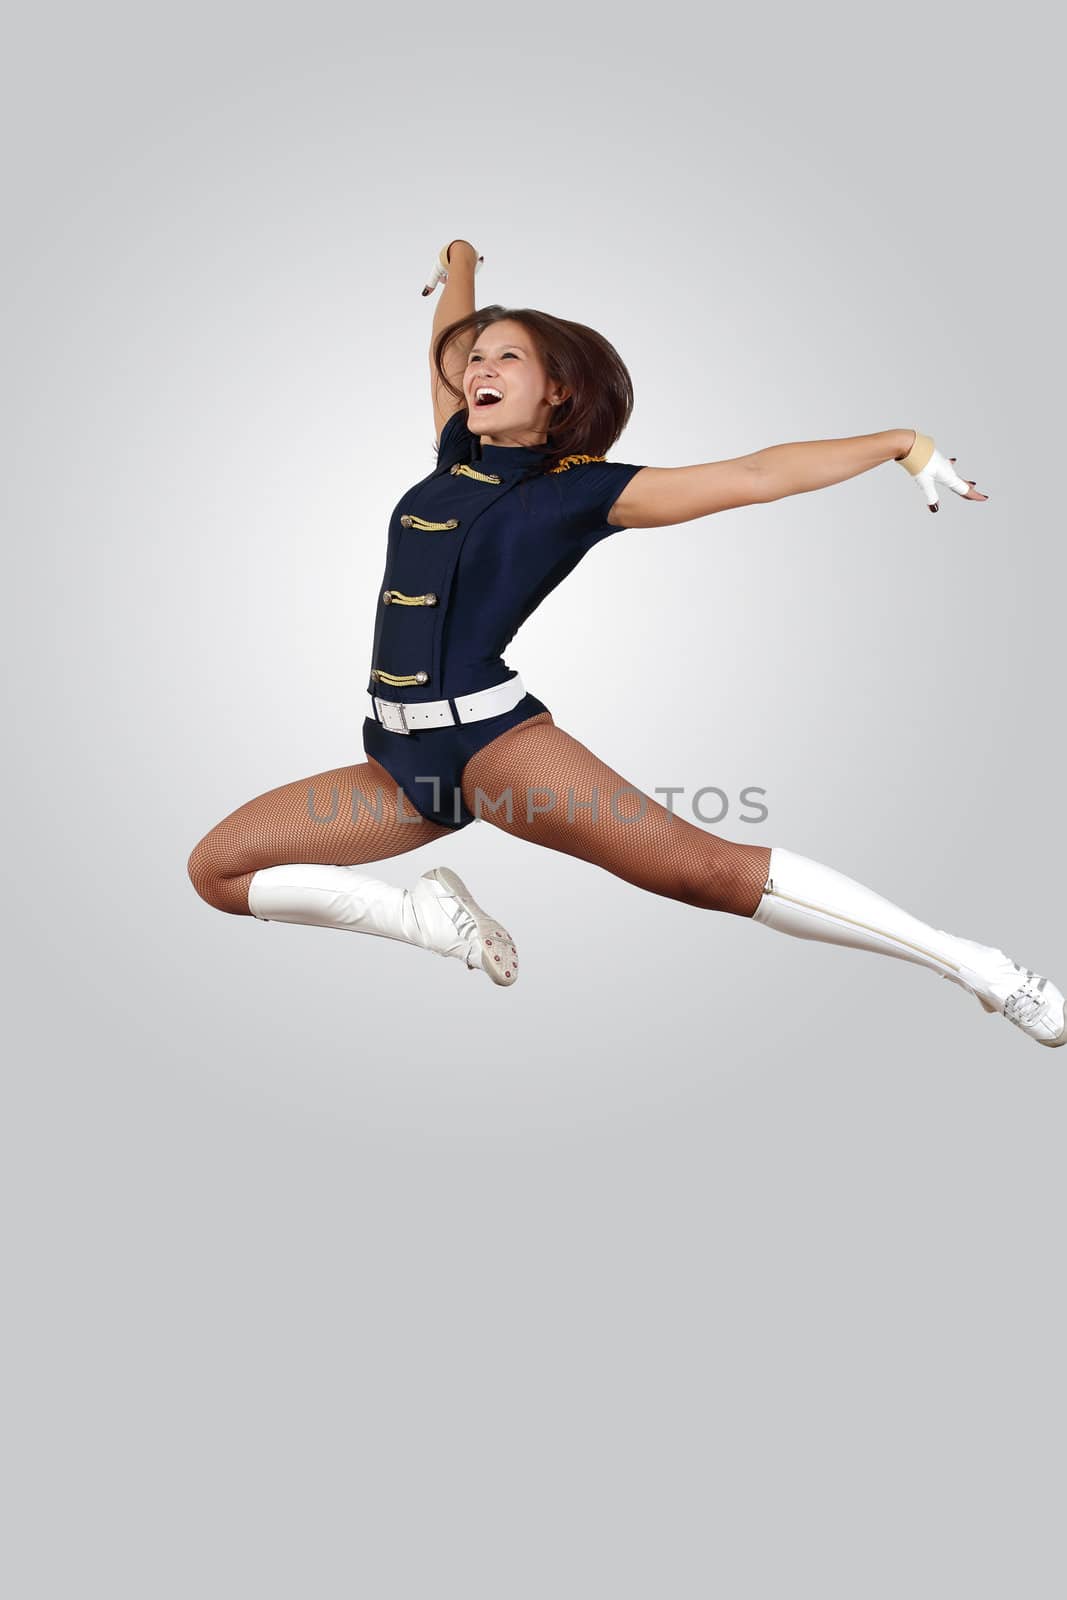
[659,497]
[817,463]
[796,468]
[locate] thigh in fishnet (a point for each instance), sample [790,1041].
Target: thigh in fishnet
[565,797]
[344,817]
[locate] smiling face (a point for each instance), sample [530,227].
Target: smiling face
[504,358]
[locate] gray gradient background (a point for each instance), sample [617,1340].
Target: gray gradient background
[705,1261]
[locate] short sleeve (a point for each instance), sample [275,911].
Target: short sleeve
[593,489]
[455,441]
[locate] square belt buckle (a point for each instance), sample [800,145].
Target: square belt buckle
[392,715]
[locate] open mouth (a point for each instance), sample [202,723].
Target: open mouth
[487,397]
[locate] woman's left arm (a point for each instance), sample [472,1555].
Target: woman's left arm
[797,468]
[817,463]
[659,497]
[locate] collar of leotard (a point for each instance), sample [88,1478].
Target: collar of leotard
[504,457]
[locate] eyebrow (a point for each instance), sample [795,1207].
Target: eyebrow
[476,349]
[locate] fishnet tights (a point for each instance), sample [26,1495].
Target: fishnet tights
[281,827]
[348,816]
[630,834]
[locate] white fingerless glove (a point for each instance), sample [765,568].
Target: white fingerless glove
[439,270]
[929,468]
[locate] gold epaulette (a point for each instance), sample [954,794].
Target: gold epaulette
[575,461]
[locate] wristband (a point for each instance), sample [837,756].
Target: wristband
[919,454]
[439,270]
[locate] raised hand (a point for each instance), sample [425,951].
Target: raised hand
[439,270]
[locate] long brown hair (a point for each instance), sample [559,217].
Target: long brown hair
[601,391]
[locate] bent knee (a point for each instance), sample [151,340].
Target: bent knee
[210,881]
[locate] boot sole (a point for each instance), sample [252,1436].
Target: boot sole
[499,957]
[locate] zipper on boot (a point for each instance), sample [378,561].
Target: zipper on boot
[839,916]
[986,1005]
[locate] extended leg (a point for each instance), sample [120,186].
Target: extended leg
[812,901]
[540,783]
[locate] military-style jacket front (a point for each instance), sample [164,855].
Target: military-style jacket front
[473,549]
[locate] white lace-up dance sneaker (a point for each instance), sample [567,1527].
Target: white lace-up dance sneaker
[456,925]
[1000,985]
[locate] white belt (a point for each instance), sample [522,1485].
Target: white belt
[403,716]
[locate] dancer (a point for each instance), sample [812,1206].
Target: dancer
[526,407]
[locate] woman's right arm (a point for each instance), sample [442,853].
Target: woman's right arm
[456,300]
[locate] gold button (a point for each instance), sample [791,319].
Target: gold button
[405,522]
[453,522]
[387,597]
[422,677]
[431,599]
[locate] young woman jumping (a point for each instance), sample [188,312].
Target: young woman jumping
[526,407]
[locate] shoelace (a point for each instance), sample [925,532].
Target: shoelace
[461,918]
[1026,1006]
[463,922]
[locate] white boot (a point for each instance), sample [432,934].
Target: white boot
[438,914]
[810,901]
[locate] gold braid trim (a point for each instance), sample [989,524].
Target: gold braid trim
[575,461]
[398,679]
[461,469]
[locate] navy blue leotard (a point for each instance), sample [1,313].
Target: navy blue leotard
[470,555]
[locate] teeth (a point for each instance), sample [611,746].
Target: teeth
[487,390]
